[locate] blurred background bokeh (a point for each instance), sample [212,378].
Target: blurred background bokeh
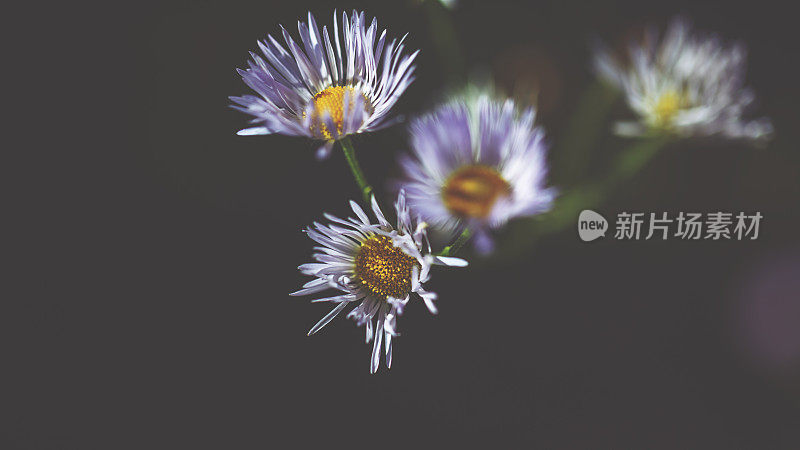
[171,326]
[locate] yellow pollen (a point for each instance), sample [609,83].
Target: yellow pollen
[667,106]
[331,101]
[472,191]
[383,268]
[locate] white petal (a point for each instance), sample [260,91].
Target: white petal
[376,347]
[359,212]
[451,261]
[378,213]
[253,131]
[388,337]
[428,298]
[324,321]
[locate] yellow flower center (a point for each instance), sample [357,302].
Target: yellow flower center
[472,191]
[331,101]
[666,107]
[383,268]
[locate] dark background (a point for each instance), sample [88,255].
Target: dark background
[160,248]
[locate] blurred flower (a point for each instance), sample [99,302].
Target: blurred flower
[685,84]
[477,163]
[324,93]
[768,313]
[375,263]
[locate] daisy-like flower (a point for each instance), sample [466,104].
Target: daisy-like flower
[476,163]
[684,83]
[375,265]
[327,89]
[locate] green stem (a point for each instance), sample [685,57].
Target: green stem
[589,195]
[453,248]
[445,38]
[636,156]
[630,161]
[358,174]
[582,133]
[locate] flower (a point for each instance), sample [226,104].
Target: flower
[476,163]
[685,84]
[376,264]
[321,93]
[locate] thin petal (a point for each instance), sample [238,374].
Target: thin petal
[324,321]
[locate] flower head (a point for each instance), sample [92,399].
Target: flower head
[685,84]
[375,265]
[326,89]
[476,163]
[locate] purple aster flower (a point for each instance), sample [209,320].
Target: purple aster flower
[377,266]
[326,89]
[476,163]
